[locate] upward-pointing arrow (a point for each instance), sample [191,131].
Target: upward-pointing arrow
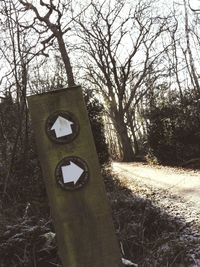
[62,127]
[71,173]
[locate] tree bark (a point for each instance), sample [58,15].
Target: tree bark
[55,29]
[127,149]
[66,60]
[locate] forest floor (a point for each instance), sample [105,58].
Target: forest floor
[156,213]
[176,193]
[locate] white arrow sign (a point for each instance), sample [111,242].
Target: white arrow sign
[62,127]
[71,173]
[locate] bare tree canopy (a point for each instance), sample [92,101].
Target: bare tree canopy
[111,66]
[42,24]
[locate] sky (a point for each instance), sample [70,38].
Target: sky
[163,8]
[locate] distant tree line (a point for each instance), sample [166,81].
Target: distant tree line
[140,62]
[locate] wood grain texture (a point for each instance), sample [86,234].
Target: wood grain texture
[82,218]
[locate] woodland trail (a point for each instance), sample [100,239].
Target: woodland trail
[175,192]
[180,182]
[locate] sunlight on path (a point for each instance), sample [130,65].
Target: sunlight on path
[184,183]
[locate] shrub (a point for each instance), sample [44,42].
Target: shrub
[25,178]
[173,133]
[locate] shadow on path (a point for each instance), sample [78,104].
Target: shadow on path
[148,235]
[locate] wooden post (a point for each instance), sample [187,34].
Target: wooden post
[81,215]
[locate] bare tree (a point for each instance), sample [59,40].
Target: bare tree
[188,51]
[120,53]
[18,52]
[42,24]
[16,55]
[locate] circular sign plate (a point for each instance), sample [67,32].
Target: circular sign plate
[62,127]
[72,173]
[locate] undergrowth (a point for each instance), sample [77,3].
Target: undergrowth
[147,235]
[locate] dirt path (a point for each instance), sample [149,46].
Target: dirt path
[176,192]
[183,183]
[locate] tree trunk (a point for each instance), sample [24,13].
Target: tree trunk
[130,121]
[135,141]
[66,60]
[127,149]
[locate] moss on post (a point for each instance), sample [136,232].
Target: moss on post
[82,217]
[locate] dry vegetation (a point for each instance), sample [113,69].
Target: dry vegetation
[148,235]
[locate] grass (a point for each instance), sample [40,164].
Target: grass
[148,236]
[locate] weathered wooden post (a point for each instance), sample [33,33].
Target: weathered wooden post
[82,218]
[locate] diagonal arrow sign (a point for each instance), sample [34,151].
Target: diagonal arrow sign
[62,127]
[71,173]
